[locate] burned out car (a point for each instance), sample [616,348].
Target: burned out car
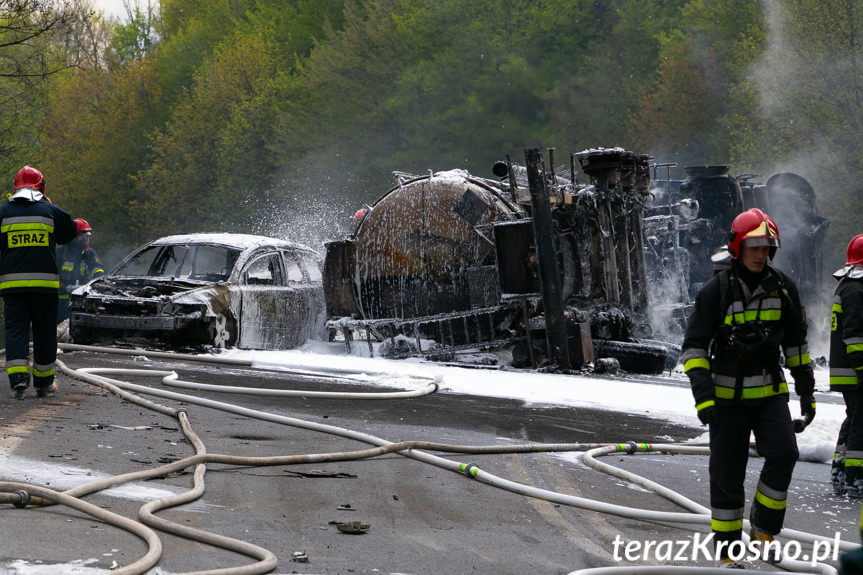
[204,290]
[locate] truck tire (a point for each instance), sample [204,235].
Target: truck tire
[633,357]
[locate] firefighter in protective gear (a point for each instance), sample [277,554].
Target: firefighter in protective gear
[846,371]
[78,264]
[30,229]
[743,318]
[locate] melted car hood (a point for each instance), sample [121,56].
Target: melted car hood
[144,288]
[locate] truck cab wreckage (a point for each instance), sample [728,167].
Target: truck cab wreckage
[559,272]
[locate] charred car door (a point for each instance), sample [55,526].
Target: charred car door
[279,303]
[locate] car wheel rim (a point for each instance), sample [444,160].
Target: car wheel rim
[222,333]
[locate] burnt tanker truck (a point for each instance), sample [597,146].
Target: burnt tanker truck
[686,225]
[561,273]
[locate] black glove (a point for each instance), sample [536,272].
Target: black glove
[807,407]
[804,380]
[807,410]
[706,414]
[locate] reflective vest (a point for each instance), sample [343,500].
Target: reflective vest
[30,229]
[725,316]
[77,266]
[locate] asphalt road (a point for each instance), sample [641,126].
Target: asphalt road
[421,519]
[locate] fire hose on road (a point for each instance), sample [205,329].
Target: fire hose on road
[16,493]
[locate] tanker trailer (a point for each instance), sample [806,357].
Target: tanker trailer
[452,258]
[420,261]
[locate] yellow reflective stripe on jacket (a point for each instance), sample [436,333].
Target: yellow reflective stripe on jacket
[696,362]
[837,308]
[754,314]
[843,376]
[707,403]
[843,380]
[41,226]
[30,283]
[854,347]
[766,309]
[751,392]
[749,381]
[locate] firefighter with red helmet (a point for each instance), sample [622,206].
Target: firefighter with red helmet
[846,370]
[78,264]
[745,317]
[30,229]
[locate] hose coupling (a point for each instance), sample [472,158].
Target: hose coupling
[25,499]
[631,447]
[469,469]
[180,410]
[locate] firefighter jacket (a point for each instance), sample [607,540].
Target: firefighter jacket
[731,350]
[78,265]
[846,336]
[30,229]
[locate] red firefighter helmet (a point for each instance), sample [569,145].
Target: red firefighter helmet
[28,177]
[753,228]
[855,251]
[82,225]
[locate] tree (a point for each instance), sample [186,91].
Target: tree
[182,189]
[32,36]
[801,108]
[674,119]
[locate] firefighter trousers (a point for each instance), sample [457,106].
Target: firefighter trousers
[23,312]
[847,471]
[770,421]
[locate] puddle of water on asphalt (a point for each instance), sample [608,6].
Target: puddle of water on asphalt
[20,567]
[62,477]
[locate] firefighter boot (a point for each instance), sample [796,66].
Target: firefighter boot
[47,390]
[19,382]
[769,546]
[728,563]
[837,474]
[853,485]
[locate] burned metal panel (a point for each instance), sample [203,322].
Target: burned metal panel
[471,207]
[338,269]
[516,259]
[281,318]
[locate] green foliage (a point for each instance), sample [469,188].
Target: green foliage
[223,114]
[35,39]
[187,151]
[134,39]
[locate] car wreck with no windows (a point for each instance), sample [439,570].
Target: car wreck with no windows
[204,290]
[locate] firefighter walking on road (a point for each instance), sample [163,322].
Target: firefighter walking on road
[30,229]
[743,318]
[846,371]
[78,264]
